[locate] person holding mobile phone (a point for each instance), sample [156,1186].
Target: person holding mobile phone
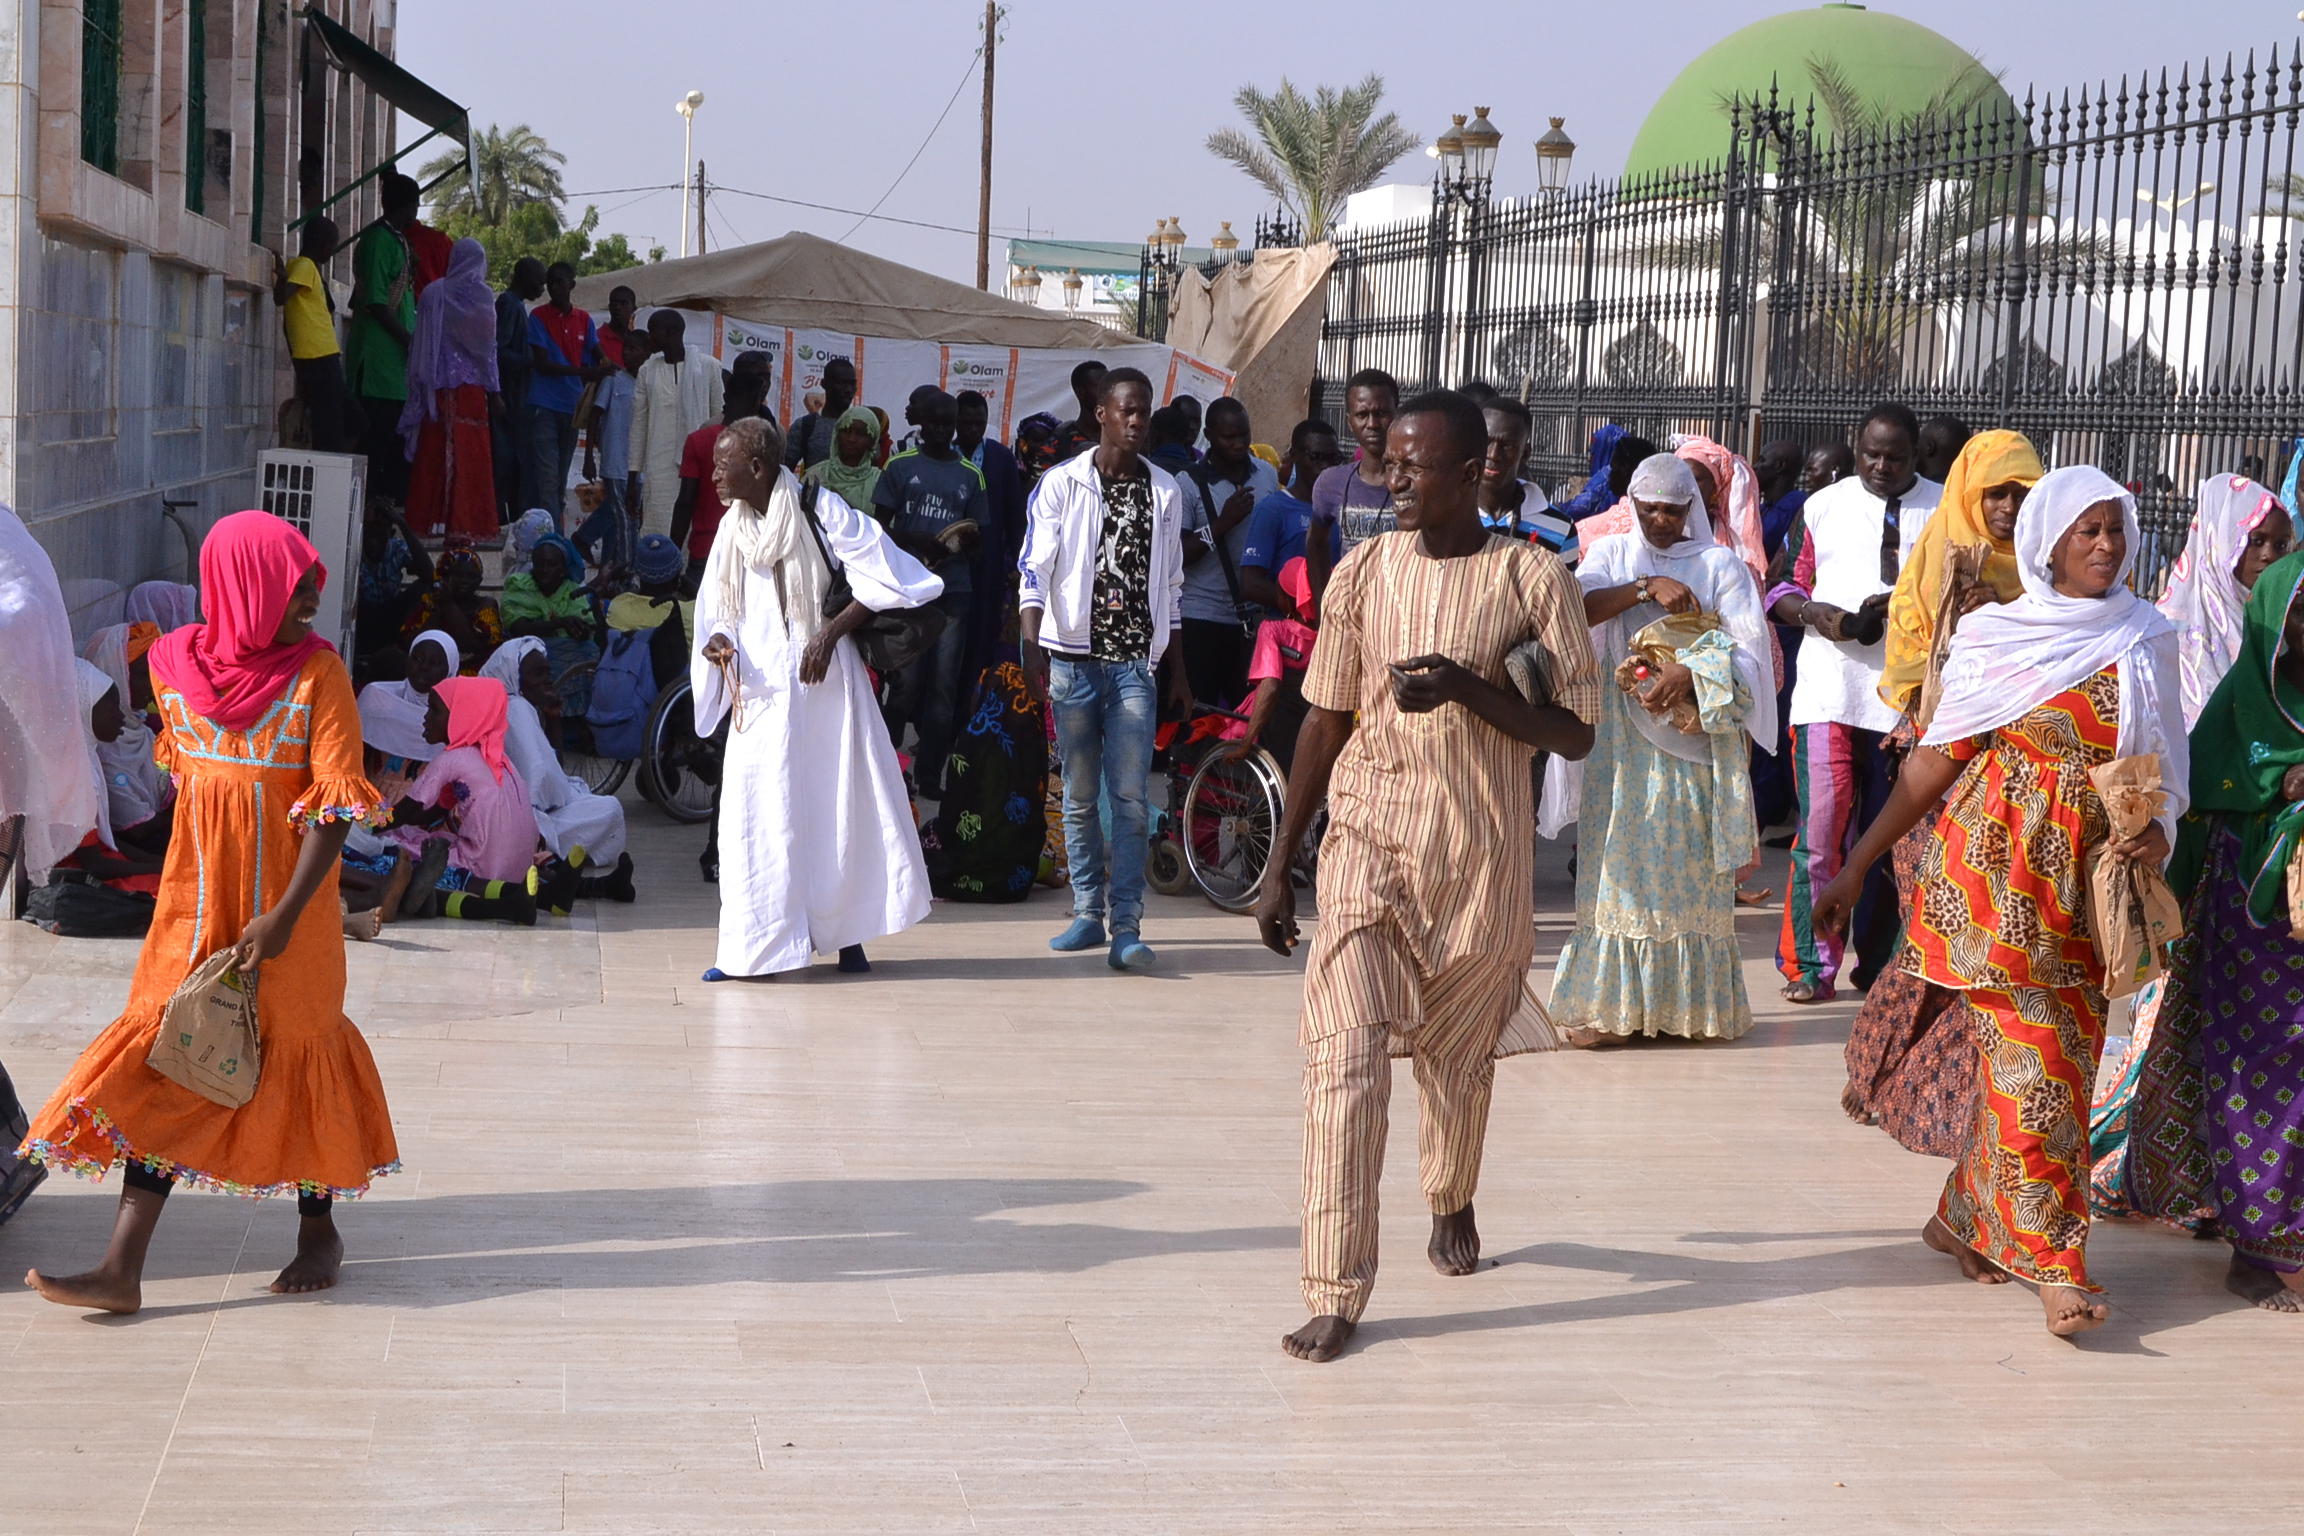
[1420,745]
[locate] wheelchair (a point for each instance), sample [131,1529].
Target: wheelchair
[1218,838]
[578,758]
[679,770]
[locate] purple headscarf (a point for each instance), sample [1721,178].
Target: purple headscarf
[455,341]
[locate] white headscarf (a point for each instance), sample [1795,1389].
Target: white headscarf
[778,543]
[167,604]
[2204,599]
[503,664]
[1719,578]
[134,788]
[447,646]
[392,721]
[94,684]
[2008,659]
[48,769]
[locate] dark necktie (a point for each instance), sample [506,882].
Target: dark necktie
[1891,540]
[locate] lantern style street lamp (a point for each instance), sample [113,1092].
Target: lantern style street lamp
[1028,285]
[1479,139]
[1226,245]
[1449,147]
[1554,152]
[1072,290]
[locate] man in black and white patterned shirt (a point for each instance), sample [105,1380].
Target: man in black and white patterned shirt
[1103,573]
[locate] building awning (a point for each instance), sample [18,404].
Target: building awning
[399,88]
[1091,258]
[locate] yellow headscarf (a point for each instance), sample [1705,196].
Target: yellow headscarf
[1989,459]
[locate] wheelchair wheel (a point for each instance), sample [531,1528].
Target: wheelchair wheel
[678,769]
[1164,868]
[1231,815]
[602,775]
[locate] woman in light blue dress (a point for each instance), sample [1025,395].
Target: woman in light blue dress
[1666,817]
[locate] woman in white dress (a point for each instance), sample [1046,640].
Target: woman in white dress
[818,851]
[584,828]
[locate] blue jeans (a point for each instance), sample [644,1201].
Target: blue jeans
[544,460]
[1105,712]
[608,528]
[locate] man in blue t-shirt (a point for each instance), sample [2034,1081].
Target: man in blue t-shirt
[1278,526]
[932,502]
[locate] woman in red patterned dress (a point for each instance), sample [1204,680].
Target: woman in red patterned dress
[2077,671]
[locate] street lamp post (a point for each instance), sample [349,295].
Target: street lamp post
[1072,291]
[686,106]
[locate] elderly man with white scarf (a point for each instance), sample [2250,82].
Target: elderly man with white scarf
[818,851]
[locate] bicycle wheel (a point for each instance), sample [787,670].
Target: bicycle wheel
[1231,814]
[678,769]
[602,775]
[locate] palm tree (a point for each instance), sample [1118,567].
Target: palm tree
[511,168]
[1313,154]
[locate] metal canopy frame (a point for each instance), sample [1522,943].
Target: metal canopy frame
[403,90]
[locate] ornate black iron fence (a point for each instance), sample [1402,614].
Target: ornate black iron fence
[2114,272]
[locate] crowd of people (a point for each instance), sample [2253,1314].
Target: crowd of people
[1894,671]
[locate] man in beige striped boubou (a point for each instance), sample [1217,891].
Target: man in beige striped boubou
[1426,919]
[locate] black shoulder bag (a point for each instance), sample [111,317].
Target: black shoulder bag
[888,642]
[1240,611]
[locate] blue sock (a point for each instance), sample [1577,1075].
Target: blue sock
[1085,933]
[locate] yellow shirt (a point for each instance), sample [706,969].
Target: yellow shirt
[311,329]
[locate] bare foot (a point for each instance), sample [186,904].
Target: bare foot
[1320,1340]
[364,926]
[2071,1310]
[1972,1264]
[395,889]
[1852,1105]
[2267,1288]
[1455,1245]
[1580,1039]
[1799,992]
[96,1291]
[319,1255]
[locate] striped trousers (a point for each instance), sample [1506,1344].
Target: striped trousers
[1841,777]
[1449,1034]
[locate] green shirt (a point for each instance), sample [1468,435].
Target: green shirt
[375,364]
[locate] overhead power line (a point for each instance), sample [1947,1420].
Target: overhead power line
[965,77]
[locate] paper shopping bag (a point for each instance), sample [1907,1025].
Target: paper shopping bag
[2131,910]
[207,1039]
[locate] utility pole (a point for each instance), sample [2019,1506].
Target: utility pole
[984,177]
[700,191]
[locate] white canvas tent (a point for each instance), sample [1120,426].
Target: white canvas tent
[805,300]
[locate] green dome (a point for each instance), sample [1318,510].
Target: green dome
[1898,65]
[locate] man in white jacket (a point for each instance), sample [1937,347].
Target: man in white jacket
[1103,578]
[677,392]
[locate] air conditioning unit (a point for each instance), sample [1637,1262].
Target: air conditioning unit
[323,496]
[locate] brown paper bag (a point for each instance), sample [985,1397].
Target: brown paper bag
[207,1040]
[2296,894]
[1661,642]
[1963,568]
[2131,910]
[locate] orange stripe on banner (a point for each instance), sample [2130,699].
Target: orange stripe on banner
[1008,396]
[784,396]
[1171,394]
[859,367]
[944,367]
[719,337]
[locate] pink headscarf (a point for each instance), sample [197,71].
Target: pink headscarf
[477,711]
[1738,525]
[228,669]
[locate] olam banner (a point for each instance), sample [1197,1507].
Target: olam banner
[1014,381]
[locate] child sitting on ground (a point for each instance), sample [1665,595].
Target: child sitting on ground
[473,791]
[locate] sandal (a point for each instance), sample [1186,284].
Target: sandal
[1798,992]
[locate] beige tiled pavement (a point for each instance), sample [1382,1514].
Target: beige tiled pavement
[995,1240]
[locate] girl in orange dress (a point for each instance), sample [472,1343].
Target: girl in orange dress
[2075,672]
[261,732]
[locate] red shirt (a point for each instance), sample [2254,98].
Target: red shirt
[696,465]
[612,345]
[429,248]
[566,330]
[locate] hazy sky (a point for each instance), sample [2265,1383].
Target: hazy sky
[1103,110]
